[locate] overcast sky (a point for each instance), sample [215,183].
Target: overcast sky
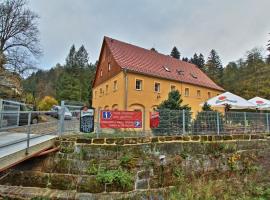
[230,26]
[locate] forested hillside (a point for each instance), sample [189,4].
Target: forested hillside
[71,81]
[248,77]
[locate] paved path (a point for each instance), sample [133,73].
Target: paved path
[15,153]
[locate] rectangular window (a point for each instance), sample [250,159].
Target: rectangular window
[100,73]
[107,89]
[198,93]
[95,94]
[186,92]
[109,67]
[114,85]
[100,92]
[157,87]
[138,84]
[173,87]
[209,95]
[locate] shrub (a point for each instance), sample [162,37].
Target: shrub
[127,161]
[120,177]
[92,169]
[47,103]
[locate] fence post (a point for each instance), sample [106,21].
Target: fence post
[184,122]
[144,120]
[98,123]
[218,129]
[267,122]
[62,118]
[28,133]
[245,121]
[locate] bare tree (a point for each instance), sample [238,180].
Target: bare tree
[19,36]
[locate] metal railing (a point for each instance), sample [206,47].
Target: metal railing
[22,126]
[180,122]
[31,124]
[211,122]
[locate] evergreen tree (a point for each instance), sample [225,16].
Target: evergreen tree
[185,59]
[254,75]
[81,57]
[206,107]
[70,60]
[194,59]
[201,62]
[68,88]
[213,67]
[175,53]
[198,60]
[173,102]
[153,49]
[171,117]
[230,77]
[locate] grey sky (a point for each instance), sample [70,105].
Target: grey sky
[230,26]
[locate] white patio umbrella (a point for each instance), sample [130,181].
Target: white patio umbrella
[261,103]
[231,99]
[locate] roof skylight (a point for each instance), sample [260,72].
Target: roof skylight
[193,75]
[180,72]
[166,68]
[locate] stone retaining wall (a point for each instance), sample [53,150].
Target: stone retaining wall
[152,162]
[160,139]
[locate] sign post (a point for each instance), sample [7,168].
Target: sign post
[87,120]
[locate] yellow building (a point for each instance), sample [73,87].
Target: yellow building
[133,78]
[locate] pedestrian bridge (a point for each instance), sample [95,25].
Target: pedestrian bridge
[17,147]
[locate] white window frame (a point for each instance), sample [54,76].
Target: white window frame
[141,83]
[186,95]
[199,93]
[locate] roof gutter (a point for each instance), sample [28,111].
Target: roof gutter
[126,89]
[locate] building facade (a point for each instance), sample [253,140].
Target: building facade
[133,78]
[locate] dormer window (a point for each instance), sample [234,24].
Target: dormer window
[193,75]
[180,72]
[167,69]
[100,73]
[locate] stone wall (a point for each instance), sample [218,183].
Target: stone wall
[152,162]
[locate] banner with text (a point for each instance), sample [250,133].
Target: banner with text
[120,119]
[154,119]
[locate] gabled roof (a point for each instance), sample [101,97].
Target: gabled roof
[148,62]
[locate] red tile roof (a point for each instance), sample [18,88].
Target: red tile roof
[144,61]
